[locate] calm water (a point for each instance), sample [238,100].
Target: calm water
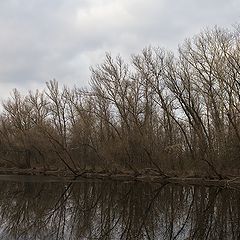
[34,209]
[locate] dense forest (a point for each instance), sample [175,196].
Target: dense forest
[174,113]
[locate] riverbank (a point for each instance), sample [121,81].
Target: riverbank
[151,176]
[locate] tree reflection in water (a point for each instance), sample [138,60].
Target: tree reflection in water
[113,210]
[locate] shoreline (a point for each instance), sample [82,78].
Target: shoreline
[64,175]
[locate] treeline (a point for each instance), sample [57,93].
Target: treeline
[160,111]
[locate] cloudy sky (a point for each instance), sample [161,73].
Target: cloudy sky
[45,39]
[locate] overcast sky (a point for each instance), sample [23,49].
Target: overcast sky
[45,39]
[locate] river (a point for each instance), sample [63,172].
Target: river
[50,208]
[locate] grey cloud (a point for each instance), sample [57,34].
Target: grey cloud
[42,39]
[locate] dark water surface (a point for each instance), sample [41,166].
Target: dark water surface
[41,208]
